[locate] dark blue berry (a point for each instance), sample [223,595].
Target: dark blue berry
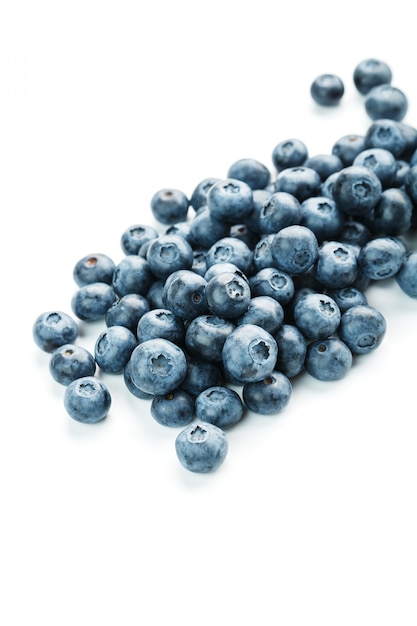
[173,409]
[268,396]
[328,359]
[292,348]
[252,172]
[356,190]
[137,235]
[201,447]
[386,102]
[132,275]
[302,182]
[69,362]
[317,315]
[87,400]
[362,328]
[158,366]
[94,268]
[169,206]
[327,89]
[113,348]
[249,353]
[127,311]
[230,200]
[91,302]
[220,406]
[53,329]
[205,336]
[289,153]
[294,249]
[407,275]
[369,73]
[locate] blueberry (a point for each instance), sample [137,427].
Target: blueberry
[199,265]
[386,102]
[205,230]
[317,315]
[228,295]
[169,206]
[179,228]
[200,375]
[260,196]
[201,447]
[219,405]
[268,396]
[205,336]
[302,182]
[324,164]
[167,254]
[393,212]
[134,237]
[53,329]
[336,265]
[292,348]
[184,294]
[289,153]
[199,195]
[401,171]
[346,297]
[94,268]
[230,250]
[263,311]
[87,400]
[387,134]
[274,283]
[294,249]
[249,353]
[262,255]
[132,275]
[230,200]
[160,322]
[280,209]
[327,89]
[328,359]
[158,366]
[69,362]
[348,147]
[91,302]
[355,233]
[407,275]
[245,234]
[155,294]
[381,258]
[356,190]
[362,328]
[381,161]
[113,348]
[130,385]
[173,409]
[410,183]
[127,311]
[252,172]
[322,216]
[369,73]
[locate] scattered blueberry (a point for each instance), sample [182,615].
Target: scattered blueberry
[69,362]
[370,73]
[201,447]
[220,406]
[53,329]
[87,400]
[327,89]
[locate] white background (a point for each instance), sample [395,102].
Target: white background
[312,518]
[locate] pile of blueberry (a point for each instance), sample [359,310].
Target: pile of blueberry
[219,311]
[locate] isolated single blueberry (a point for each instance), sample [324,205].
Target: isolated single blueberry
[327,89]
[201,447]
[53,329]
[169,206]
[87,400]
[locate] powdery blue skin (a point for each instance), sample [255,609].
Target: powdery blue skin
[410,183]
[161,323]
[268,396]
[134,237]
[69,362]
[179,228]
[132,275]
[289,153]
[220,406]
[280,209]
[263,311]
[134,390]
[262,255]
[167,254]
[250,171]
[393,212]
[199,265]
[91,302]
[336,265]
[386,102]
[346,297]
[205,337]
[94,268]
[173,409]
[302,182]
[113,348]
[221,268]
[317,315]
[158,366]
[348,147]
[324,164]
[381,258]
[169,206]
[355,233]
[127,311]
[328,359]
[410,135]
[382,162]
[362,329]
[87,400]
[407,275]
[199,196]
[260,196]
[53,329]
[249,353]
[200,375]
[292,349]
[327,89]
[322,216]
[369,73]
[356,190]
[201,447]
[230,250]
[184,294]
[230,200]
[326,189]
[274,283]
[294,249]
[228,295]
[205,230]
[387,134]
[401,172]
[155,295]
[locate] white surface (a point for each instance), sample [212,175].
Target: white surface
[312,518]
